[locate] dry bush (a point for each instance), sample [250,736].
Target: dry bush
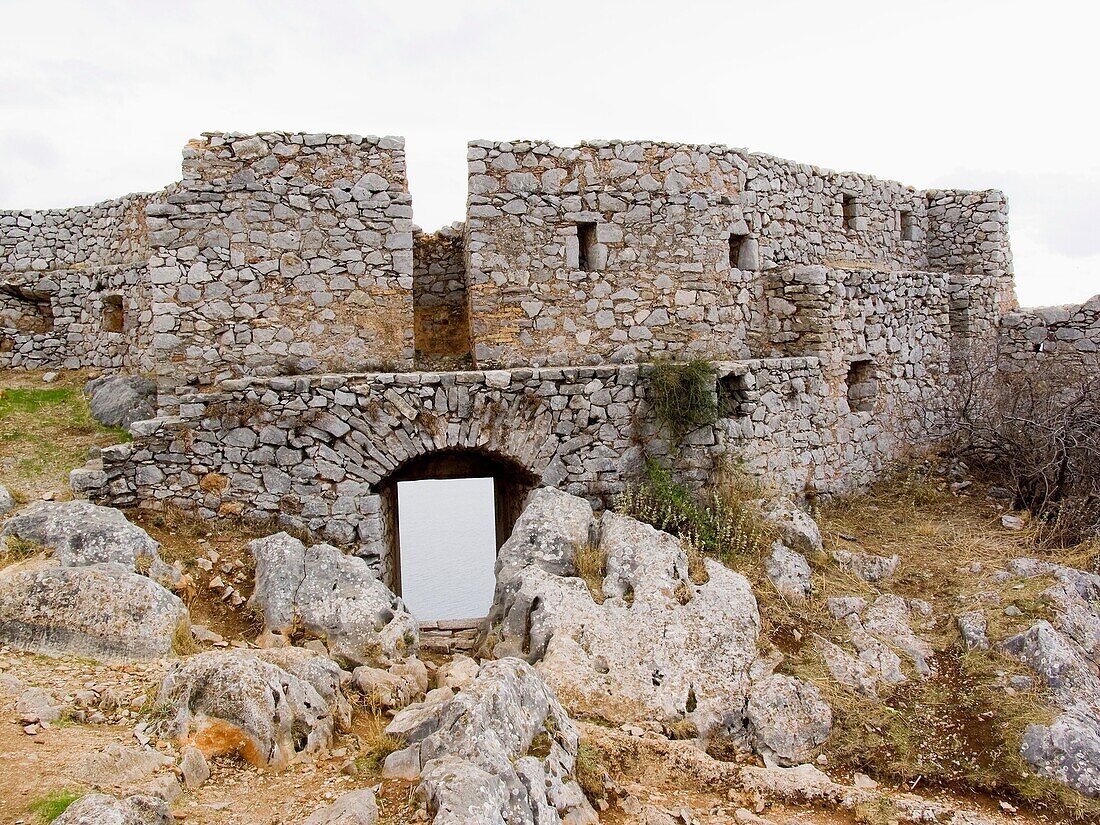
[1037,428]
[682,395]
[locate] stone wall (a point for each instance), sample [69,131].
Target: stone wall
[73,287]
[1066,335]
[317,452]
[614,251]
[283,253]
[441,311]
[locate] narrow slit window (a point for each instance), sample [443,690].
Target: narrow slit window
[586,246]
[737,241]
[114,317]
[908,223]
[848,206]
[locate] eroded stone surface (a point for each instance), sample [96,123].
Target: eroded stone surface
[331,595]
[102,611]
[501,750]
[233,702]
[658,647]
[81,533]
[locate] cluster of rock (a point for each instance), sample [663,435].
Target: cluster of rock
[655,645]
[1065,653]
[93,597]
[877,631]
[321,591]
[502,750]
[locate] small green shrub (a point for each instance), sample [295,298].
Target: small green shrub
[723,525]
[682,395]
[49,807]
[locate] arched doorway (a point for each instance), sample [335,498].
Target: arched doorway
[502,484]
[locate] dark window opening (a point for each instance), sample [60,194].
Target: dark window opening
[848,205]
[586,246]
[114,316]
[737,242]
[862,386]
[24,309]
[1038,347]
[908,223]
[733,396]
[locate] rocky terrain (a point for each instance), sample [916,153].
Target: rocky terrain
[908,655]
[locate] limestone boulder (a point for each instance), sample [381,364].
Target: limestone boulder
[502,750]
[331,595]
[788,571]
[38,705]
[234,702]
[786,719]
[1063,652]
[389,689]
[103,611]
[866,566]
[7,502]
[120,400]
[656,646]
[323,674]
[81,533]
[796,527]
[352,808]
[119,764]
[100,809]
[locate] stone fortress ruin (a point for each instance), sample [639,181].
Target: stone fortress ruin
[312,347]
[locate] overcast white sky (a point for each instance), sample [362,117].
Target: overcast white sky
[98,98]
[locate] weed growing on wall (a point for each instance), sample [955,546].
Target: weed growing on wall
[682,395]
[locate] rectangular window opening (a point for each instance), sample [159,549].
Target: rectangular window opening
[734,396]
[862,385]
[114,316]
[586,245]
[908,223]
[24,309]
[848,205]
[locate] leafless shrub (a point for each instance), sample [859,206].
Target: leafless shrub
[1038,428]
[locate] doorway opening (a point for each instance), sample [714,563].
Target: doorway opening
[447,530]
[448,513]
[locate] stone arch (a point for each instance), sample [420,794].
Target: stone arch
[484,431]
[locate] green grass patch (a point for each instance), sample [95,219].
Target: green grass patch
[50,806]
[44,433]
[682,395]
[722,524]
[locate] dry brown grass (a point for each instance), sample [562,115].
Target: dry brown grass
[14,550]
[590,564]
[960,729]
[374,743]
